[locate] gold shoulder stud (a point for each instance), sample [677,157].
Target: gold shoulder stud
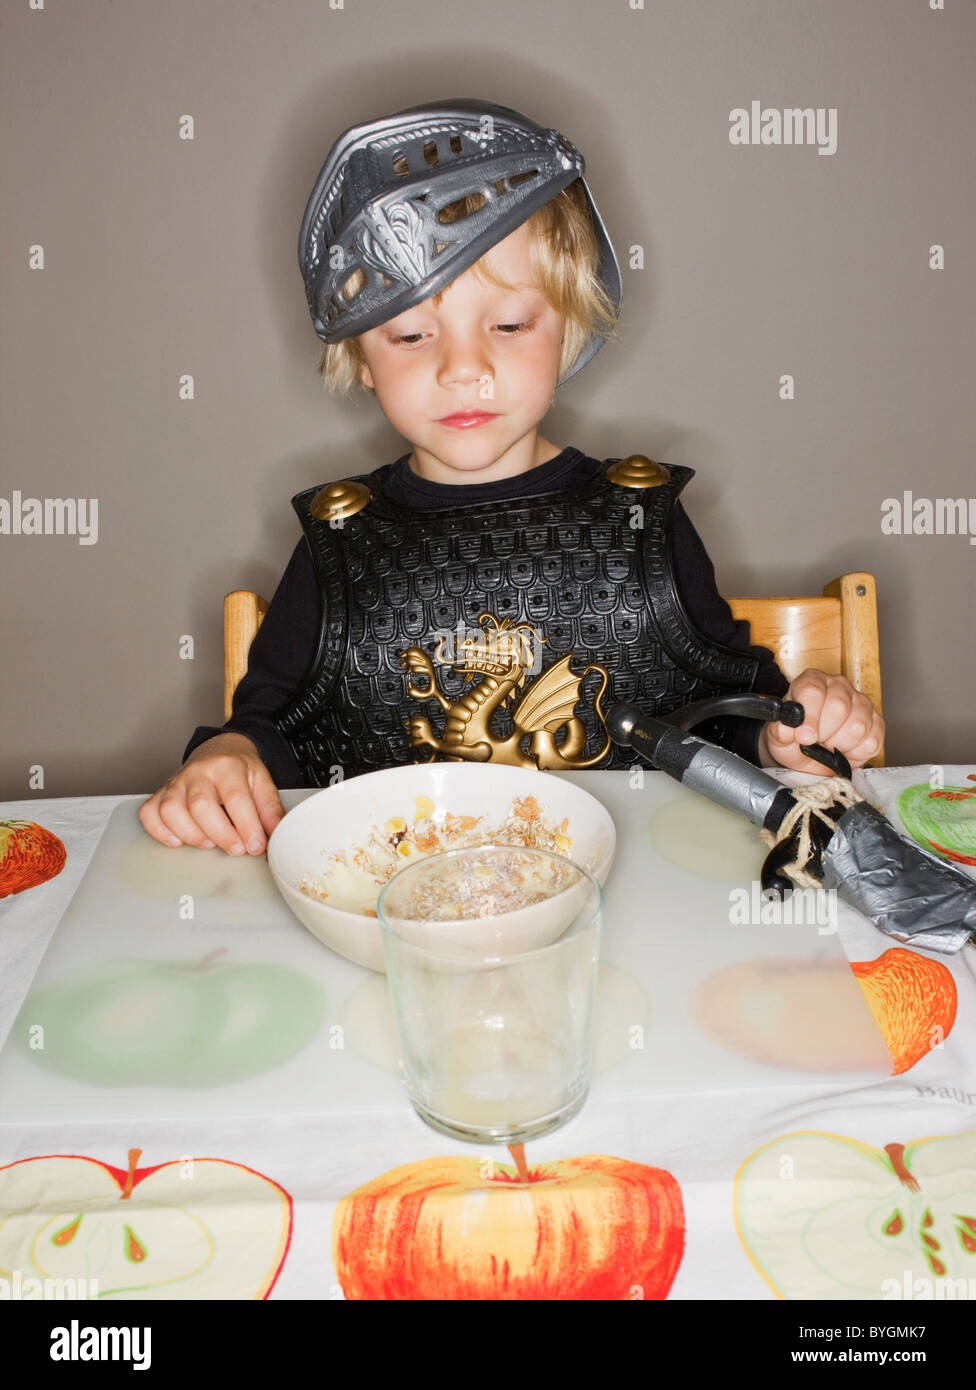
[336,501]
[638,471]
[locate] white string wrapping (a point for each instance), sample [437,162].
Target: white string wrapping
[810,801]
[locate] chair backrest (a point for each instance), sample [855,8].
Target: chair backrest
[836,633]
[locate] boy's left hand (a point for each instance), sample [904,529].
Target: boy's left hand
[837,715]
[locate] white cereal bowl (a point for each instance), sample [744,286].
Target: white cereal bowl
[340,818]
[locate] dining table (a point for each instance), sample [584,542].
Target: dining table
[200,1100]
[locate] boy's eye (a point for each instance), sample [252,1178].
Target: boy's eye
[510,330]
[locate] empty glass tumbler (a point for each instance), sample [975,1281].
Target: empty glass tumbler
[491,957]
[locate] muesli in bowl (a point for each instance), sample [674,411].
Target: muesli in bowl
[331,855]
[351,879]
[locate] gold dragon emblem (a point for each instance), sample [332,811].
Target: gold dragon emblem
[501,655]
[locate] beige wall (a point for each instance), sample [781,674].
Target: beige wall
[165,256]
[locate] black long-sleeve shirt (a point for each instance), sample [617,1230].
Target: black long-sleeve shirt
[286,642]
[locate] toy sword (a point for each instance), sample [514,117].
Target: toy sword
[906,891]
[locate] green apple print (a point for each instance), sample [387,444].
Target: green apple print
[942,819]
[189,1024]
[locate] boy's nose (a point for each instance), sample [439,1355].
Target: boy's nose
[463,362]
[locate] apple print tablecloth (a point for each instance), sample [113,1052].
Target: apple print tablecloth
[839,1190]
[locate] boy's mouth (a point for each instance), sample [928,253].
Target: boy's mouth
[466,419]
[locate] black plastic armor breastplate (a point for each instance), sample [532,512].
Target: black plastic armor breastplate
[574,567]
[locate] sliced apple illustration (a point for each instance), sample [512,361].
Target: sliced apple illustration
[942,819]
[171,1023]
[707,839]
[221,1230]
[29,855]
[163,873]
[593,1227]
[798,1014]
[824,1216]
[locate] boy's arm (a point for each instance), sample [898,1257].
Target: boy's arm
[712,616]
[276,664]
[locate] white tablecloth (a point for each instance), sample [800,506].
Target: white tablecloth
[700,1139]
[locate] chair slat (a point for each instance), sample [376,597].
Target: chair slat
[243,612]
[800,632]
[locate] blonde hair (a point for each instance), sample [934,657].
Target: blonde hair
[565,260]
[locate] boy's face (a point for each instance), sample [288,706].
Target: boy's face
[482,349]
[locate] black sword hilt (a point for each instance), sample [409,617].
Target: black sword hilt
[764,707]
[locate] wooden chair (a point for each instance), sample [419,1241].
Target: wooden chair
[243,613]
[837,633]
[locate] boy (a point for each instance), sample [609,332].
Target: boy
[456,265]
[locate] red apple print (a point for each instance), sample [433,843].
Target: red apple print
[29,855]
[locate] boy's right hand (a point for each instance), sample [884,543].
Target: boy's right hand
[222,795]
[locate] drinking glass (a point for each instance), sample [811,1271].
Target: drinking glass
[491,957]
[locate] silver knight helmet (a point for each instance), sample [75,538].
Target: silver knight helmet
[377,206]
